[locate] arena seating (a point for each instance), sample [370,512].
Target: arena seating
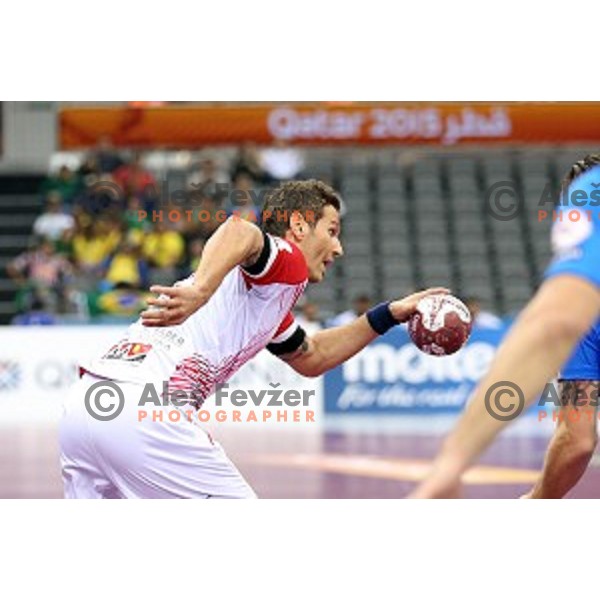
[19,206]
[412,220]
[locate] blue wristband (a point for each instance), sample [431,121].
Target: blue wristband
[380,318]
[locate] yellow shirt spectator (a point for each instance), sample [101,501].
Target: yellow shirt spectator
[91,251]
[163,248]
[124,268]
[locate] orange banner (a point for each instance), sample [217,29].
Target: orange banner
[445,124]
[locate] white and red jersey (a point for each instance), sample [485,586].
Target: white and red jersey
[251,310]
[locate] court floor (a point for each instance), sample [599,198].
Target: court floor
[347,458]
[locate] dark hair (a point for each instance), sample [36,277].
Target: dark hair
[581,166]
[309,198]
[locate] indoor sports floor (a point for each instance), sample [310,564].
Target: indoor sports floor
[347,458]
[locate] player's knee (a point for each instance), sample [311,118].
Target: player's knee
[582,442]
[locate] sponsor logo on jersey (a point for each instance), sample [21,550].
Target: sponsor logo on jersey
[128,351]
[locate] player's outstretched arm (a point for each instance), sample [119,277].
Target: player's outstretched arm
[541,340]
[328,348]
[236,242]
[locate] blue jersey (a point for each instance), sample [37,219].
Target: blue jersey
[576,232]
[576,246]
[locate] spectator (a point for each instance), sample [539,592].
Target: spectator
[64,245]
[106,158]
[242,199]
[360,306]
[164,249]
[308,318]
[40,266]
[282,162]
[89,168]
[101,195]
[196,250]
[111,228]
[67,183]
[93,245]
[180,216]
[134,180]
[53,222]
[482,318]
[126,266]
[42,273]
[205,219]
[208,175]
[124,300]
[37,314]
[135,226]
[247,162]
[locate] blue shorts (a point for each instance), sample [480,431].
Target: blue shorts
[584,363]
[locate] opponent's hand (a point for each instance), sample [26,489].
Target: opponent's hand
[173,306]
[403,309]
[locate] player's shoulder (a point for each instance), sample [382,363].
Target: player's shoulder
[280,261]
[575,241]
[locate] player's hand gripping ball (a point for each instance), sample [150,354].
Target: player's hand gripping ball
[441,325]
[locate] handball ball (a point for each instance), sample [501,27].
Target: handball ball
[441,325]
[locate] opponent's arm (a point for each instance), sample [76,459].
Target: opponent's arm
[328,348]
[236,242]
[541,340]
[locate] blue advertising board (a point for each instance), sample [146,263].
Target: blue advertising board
[392,375]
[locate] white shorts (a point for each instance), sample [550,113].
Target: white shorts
[124,458]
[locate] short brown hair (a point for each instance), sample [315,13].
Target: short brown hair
[581,166]
[309,198]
